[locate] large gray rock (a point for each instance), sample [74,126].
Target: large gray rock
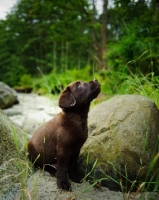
[11,153]
[8,96]
[123,139]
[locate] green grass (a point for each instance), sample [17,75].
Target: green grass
[112,82]
[130,188]
[22,164]
[24,168]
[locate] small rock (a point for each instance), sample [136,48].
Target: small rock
[8,96]
[11,112]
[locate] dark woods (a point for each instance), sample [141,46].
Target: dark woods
[56,36]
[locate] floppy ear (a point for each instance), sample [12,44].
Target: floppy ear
[66,99]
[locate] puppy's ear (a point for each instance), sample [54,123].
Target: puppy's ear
[66,99]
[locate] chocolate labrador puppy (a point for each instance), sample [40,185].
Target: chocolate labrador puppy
[55,146]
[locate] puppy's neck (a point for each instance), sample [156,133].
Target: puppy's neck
[82,111]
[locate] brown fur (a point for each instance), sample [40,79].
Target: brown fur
[58,141]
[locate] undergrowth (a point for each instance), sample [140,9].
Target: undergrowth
[112,83]
[22,168]
[130,189]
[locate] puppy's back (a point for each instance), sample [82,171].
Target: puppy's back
[45,134]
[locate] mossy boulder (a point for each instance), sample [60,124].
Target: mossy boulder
[12,150]
[123,140]
[8,96]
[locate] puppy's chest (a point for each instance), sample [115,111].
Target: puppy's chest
[80,130]
[84,130]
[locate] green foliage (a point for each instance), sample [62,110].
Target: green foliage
[60,37]
[57,40]
[135,83]
[130,188]
[25,80]
[44,34]
[13,75]
[132,47]
[111,82]
[142,85]
[134,53]
[55,82]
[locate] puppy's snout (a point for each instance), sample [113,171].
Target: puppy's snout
[96,81]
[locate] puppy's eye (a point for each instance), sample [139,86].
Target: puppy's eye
[79,85]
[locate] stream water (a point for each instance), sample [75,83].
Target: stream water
[32,111]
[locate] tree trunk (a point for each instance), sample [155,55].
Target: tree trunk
[96,45]
[62,56]
[66,55]
[157,5]
[54,56]
[104,30]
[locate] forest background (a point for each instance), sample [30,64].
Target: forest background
[47,44]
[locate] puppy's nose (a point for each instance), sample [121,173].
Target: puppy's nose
[95,80]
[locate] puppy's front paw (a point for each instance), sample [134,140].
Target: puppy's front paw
[75,178]
[64,185]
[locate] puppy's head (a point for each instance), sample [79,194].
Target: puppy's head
[79,93]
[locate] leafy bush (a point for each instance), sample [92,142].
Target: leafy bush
[135,51]
[25,80]
[13,75]
[57,81]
